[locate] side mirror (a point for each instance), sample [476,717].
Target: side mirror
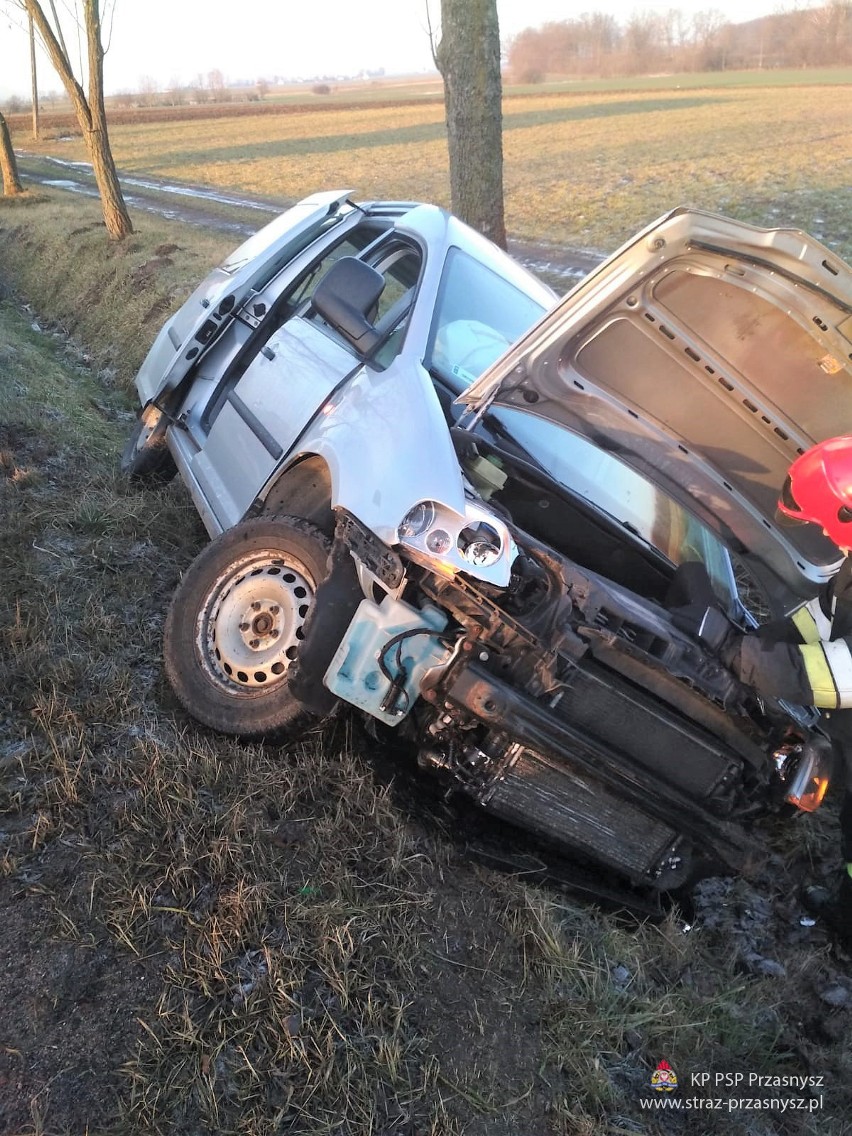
[343,297]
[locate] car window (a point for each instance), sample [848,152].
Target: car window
[354,243]
[623,494]
[477,317]
[400,268]
[399,265]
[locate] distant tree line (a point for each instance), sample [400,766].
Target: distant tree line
[595,44]
[15,104]
[209,88]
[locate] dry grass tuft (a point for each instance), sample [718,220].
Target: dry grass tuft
[110,297]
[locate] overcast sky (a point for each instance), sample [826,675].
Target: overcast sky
[175,40]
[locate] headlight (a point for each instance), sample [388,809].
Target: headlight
[438,541]
[480,544]
[417,520]
[476,541]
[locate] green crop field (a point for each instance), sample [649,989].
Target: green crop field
[782,77]
[585,169]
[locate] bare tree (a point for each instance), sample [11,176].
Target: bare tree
[468,57]
[175,93]
[707,28]
[216,85]
[600,37]
[527,57]
[796,34]
[644,42]
[197,90]
[568,47]
[90,111]
[830,30]
[8,166]
[148,88]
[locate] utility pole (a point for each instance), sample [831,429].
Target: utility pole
[34,79]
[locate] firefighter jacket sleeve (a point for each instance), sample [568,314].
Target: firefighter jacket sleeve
[805,658]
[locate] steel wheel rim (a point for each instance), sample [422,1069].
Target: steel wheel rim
[250,624]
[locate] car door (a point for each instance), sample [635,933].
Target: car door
[190,332]
[262,414]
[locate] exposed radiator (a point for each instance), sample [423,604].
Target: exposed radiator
[565,806]
[607,707]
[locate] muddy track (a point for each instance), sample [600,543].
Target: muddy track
[244,214]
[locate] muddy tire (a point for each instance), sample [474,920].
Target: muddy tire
[146,458]
[236,622]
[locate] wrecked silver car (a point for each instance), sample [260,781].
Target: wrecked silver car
[441,497]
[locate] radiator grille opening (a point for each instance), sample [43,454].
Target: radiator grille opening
[567,807]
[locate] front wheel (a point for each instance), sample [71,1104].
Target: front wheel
[236,622]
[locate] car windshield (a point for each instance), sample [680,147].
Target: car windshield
[477,317]
[623,494]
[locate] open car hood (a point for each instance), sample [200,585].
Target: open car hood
[706,354]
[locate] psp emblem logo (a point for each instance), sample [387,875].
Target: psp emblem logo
[664,1078]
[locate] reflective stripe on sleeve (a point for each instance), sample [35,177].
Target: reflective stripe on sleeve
[823,622]
[828,667]
[805,624]
[811,622]
[840,662]
[819,675]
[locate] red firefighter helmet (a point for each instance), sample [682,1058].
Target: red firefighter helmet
[818,489]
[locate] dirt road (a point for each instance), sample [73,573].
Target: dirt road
[243,214]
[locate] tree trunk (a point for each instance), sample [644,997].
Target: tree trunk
[468,57]
[90,113]
[8,166]
[116,217]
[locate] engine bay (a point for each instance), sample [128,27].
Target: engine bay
[570,704]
